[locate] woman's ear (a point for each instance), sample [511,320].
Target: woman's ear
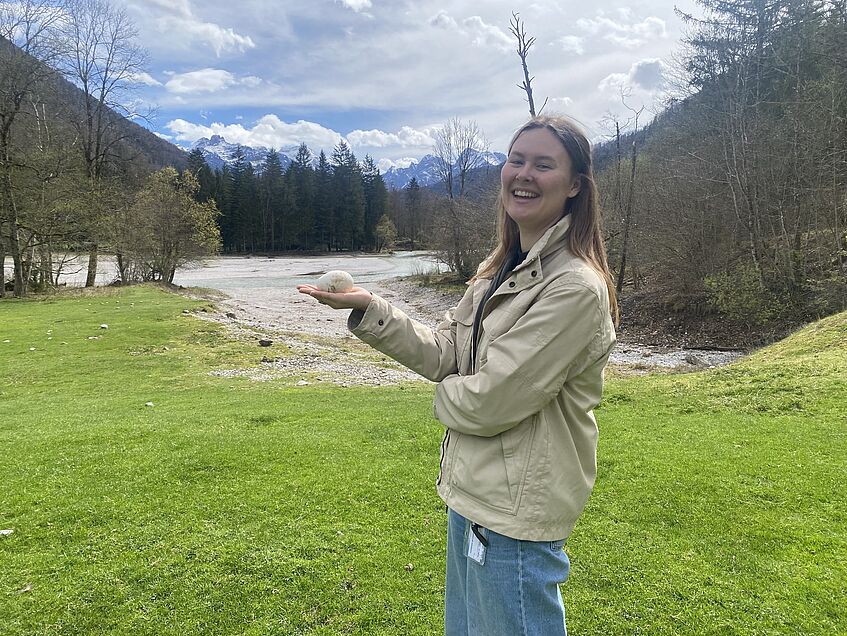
[576,187]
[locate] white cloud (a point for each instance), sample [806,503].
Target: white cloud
[615,82]
[443,20]
[205,80]
[405,137]
[626,34]
[647,75]
[163,136]
[558,104]
[479,32]
[251,81]
[146,79]
[405,162]
[570,44]
[180,19]
[356,5]
[269,131]
[384,165]
[484,34]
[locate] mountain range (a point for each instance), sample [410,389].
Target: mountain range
[426,170]
[218,152]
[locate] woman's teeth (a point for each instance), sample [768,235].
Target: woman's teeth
[524,194]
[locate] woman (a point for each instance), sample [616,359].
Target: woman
[519,366]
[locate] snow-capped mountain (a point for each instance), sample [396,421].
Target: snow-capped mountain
[424,170]
[217,152]
[427,173]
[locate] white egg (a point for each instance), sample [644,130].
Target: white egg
[335,281]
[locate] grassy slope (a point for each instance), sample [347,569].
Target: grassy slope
[257,508]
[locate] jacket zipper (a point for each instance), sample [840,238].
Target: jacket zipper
[445,445]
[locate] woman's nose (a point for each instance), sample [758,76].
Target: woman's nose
[525,173]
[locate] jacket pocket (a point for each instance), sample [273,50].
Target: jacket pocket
[464,336]
[492,470]
[445,447]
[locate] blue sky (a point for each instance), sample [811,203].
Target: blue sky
[384,75]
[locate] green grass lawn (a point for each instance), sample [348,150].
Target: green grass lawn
[239,507]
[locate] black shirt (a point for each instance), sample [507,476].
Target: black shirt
[503,273]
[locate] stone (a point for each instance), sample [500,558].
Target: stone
[229,314]
[148,404]
[694,361]
[104,326]
[303,383]
[265,343]
[336,281]
[6,533]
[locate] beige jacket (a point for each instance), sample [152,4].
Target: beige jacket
[519,452]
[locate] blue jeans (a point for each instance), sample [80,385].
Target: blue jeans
[515,592]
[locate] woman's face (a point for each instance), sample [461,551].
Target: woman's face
[536,181]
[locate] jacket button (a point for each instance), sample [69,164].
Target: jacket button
[381,322]
[534,273]
[512,284]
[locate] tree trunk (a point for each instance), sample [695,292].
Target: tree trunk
[92,266]
[2,263]
[627,218]
[15,249]
[121,267]
[14,243]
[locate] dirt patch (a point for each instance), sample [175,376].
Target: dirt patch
[647,319]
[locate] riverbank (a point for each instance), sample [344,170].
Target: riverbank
[288,316]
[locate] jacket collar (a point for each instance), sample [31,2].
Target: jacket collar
[552,237]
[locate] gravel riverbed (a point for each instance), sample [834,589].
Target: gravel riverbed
[319,348]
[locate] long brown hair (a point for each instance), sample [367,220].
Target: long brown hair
[585,234]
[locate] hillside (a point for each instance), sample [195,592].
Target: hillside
[67,103]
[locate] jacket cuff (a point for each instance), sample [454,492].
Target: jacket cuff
[372,319]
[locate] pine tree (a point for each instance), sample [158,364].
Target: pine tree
[224,200]
[323,222]
[348,198]
[301,179]
[270,199]
[376,200]
[413,205]
[203,173]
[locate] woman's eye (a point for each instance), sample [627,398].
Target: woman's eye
[543,166]
[515,162]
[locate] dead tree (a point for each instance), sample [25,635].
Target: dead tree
[516,26]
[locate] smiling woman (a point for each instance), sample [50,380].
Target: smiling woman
[519,365]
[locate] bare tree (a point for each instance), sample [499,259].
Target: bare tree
[105,62]
[463,229]
[459,148]
[628,206]
[517,27]
[28,43]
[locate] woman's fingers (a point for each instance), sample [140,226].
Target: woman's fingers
[355,298]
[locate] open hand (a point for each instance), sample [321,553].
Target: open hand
[355,298]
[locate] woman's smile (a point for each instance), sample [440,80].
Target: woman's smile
[537,180]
